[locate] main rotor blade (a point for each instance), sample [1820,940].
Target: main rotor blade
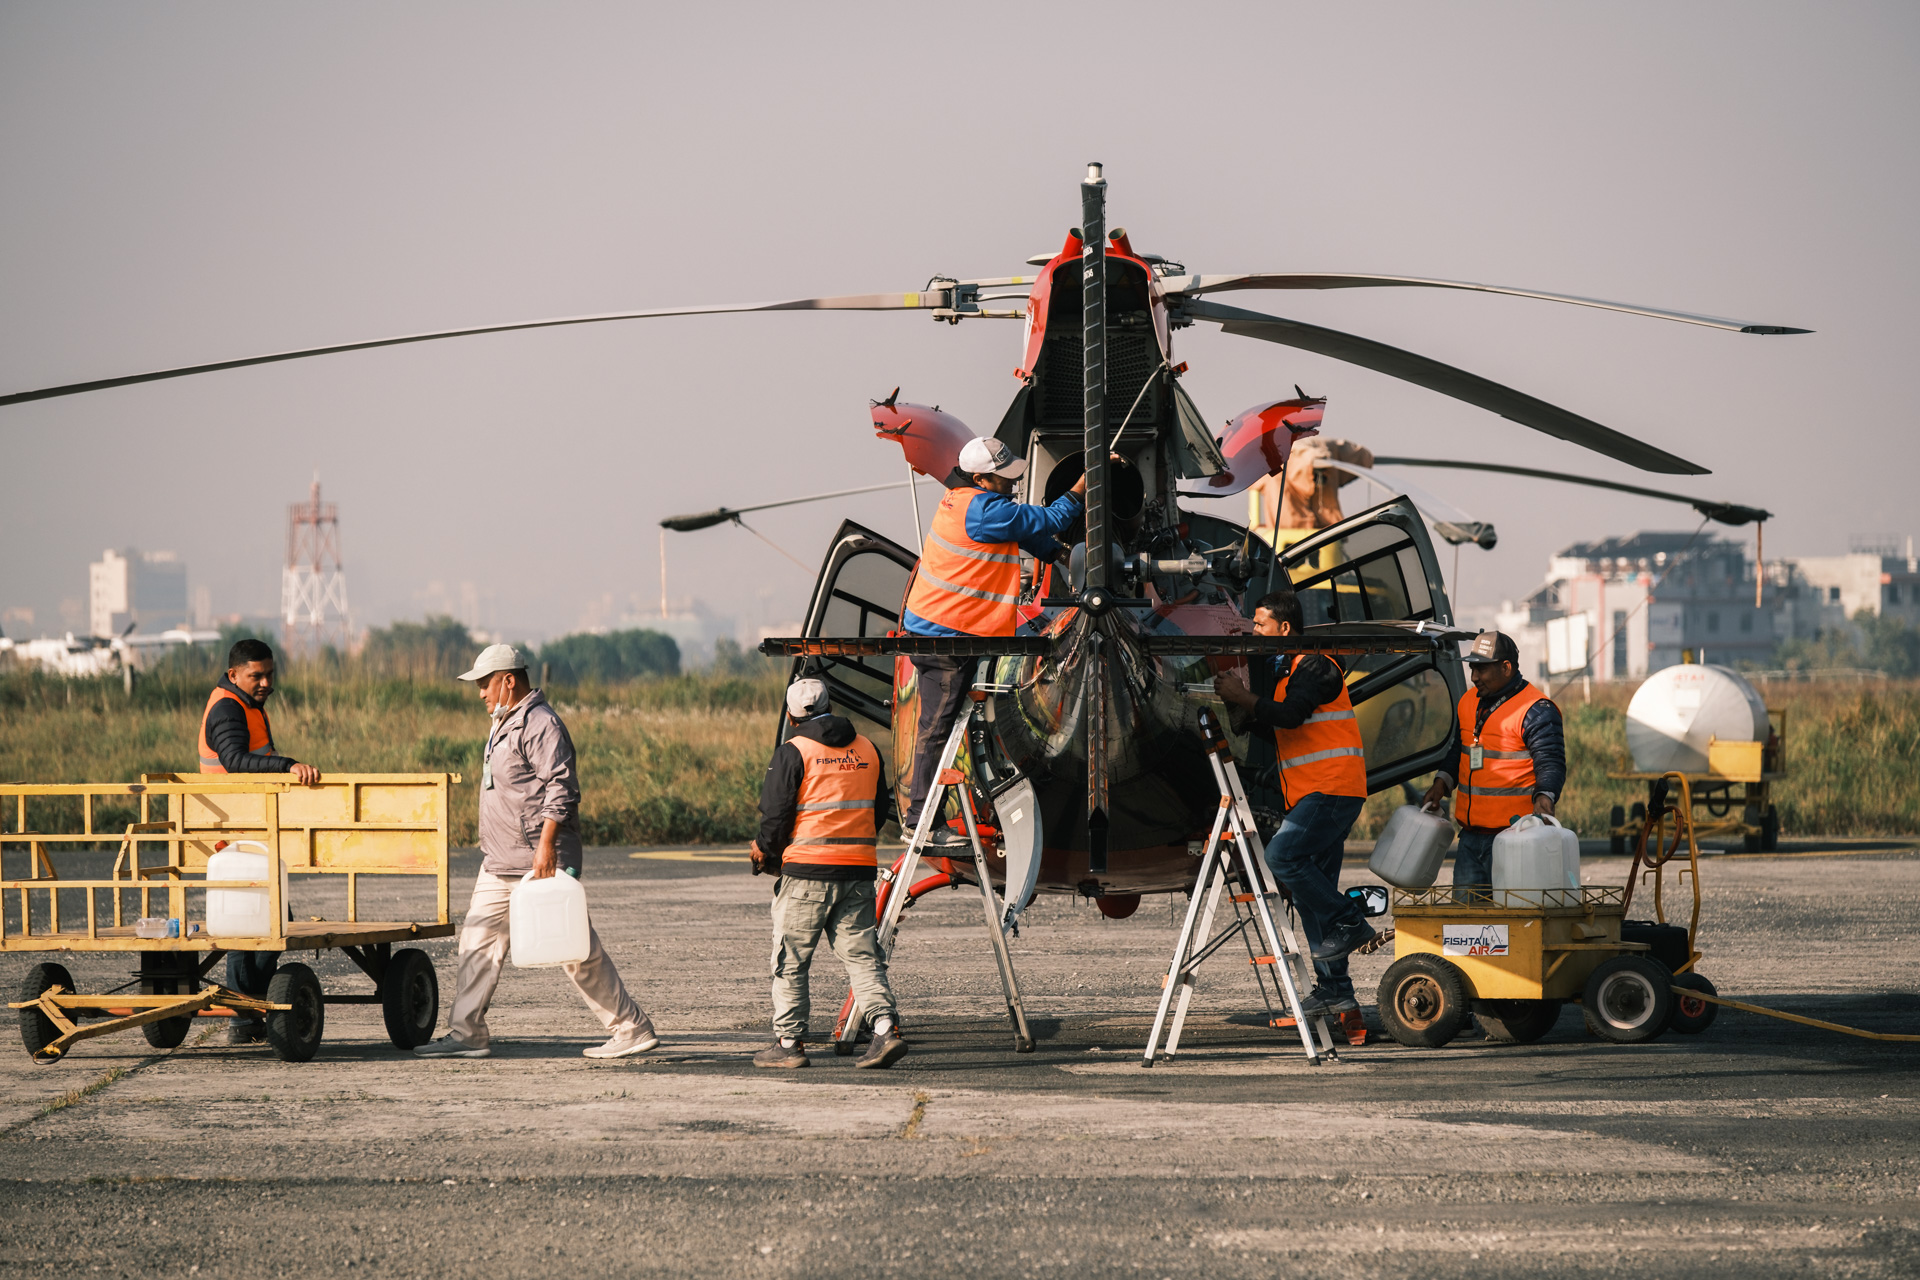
[1725,512]
[719,515]
[848,302]
[1514,405]
[1194,285]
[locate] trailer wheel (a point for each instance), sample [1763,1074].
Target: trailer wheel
[1617,819]
[37,1030]
[1770,831]
[1692,1015]
[1628,999]
[168,1033]
[410,998]
[295,1033]
[1423,1001]
[1516,1021]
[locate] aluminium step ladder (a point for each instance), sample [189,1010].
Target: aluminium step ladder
[1232,855]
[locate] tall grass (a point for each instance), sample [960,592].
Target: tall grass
[661,761]
[680,759]
[1851,754]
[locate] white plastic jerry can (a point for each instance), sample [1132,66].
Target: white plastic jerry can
[241,913]
[547,922]
[1411,848]
[1529,858]
[1570,851]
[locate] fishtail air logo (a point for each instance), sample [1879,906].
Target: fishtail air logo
[1473,939]
[846,764]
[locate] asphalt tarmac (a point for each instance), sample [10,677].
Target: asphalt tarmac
[1760,1148]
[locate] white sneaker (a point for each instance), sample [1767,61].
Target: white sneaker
[640,1040]
[448,1047]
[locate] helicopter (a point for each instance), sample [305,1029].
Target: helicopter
[1096,704]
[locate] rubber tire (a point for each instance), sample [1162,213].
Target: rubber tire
[1691,1022]
[1628,999]
[168,1033]
[1516,1021]
[37,1030]
[295,1033]
[410,998]
[1770,831]
[1423,1001]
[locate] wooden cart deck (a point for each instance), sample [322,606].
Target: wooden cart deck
[301,935]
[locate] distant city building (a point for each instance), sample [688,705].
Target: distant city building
[1623,608]
[131,588]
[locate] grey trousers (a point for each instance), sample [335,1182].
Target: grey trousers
[483,950]
[841,911]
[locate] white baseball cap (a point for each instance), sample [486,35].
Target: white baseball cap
[985,455]
[807,699]
[495,657]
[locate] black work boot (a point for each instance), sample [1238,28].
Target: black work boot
[244,1030]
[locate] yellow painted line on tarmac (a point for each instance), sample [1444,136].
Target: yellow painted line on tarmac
[1824,853]
[688,855]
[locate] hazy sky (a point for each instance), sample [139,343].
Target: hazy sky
[186,183]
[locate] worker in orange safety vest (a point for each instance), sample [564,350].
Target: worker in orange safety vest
[968,584]
[1513,757]
[822,805]
[1323,777]
[237,737]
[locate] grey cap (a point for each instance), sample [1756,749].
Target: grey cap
[1493,646]
[495,657]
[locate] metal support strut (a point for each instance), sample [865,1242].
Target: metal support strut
[1234,832]
[900,882]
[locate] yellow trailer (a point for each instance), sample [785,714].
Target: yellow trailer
[161,831]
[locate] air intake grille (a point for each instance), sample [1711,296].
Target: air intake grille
[1132,356]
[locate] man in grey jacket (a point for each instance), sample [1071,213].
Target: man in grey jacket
[529,826]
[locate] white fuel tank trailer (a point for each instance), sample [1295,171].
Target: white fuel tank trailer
[1680,709]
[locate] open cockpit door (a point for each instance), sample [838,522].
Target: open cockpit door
[862,585]
[1379,566]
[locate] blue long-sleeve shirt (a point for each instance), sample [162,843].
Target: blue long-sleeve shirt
[996,517]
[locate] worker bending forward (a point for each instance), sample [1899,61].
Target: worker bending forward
[1513,757]
[968,584]
[529,826]
[822,805]
[1323,778]
[237,737]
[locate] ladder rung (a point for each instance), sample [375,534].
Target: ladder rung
[1261,960]
[1245,897]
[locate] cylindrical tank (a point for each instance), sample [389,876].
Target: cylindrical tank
[1679,710]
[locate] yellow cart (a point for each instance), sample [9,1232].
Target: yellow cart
[1717,812]
[164,829]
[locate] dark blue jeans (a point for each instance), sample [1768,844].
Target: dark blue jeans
[1473,858]
[249,972]
[1305,857]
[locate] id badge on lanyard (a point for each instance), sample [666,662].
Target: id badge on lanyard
[486,766]
[1475,758]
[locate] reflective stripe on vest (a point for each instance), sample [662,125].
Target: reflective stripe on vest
[259,733]
[972,587]
[838,789]
[1501,789]
[1325,754]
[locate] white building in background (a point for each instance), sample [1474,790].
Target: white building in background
[1883,580]
[148,590]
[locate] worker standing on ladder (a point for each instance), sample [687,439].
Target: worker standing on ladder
[237,737]
[1513,757]
[1323,778]
[822,805]
[968,584]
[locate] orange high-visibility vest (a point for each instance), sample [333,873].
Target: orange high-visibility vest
[973,587]
[1501,789]
[259,733]
[838,787]
[1325,753]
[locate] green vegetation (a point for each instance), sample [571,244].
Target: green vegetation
[661,761]
[1872,642]
[1850,753]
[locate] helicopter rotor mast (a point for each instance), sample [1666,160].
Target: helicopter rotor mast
[1097,589]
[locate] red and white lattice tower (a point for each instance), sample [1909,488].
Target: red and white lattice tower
[313,586]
